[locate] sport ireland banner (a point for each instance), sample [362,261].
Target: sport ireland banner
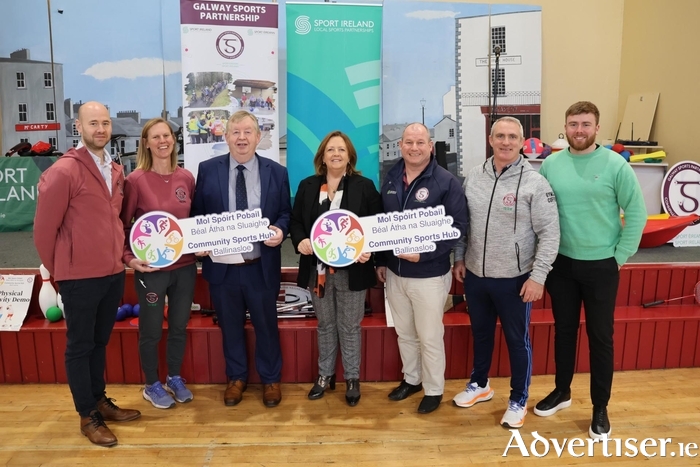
[333,76]
[229,63]
[19,177]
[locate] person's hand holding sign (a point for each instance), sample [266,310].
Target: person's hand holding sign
[276,239]
[305,247]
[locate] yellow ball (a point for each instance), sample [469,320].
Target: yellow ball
[54,314]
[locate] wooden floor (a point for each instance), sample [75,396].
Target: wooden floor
[39,427]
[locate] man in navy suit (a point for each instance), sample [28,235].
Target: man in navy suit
[233,182]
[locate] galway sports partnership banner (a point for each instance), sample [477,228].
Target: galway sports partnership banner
[229,63]
[333,71]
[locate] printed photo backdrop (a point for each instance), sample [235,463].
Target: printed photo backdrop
[436,67]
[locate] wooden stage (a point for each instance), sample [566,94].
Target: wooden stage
[40,427]
[666,336]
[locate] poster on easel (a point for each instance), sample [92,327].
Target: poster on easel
[15,296]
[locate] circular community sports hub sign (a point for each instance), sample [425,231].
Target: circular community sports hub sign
[337,238]
[680,189]
[156,237]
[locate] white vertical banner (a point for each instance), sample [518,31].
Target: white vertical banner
[229,63]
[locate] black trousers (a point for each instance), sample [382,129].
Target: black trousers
[91,309]
[152,288]
[594,283]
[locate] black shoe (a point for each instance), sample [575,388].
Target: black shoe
[404,390]
[600,425]
[429,404]
[553,403]
[322,383]
[352,392]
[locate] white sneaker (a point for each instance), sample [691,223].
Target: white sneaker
[473,394]
[514,416]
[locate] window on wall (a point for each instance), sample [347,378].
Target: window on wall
[498,84]
[21,83]
[22,112]
[531,125]
[50,113]
[451,133]
[48,80]
[535,126]
[137,145]
[75,130]
[24,140]
[121,146]
[113,147]
[76,142]
[498,38]
[53,142]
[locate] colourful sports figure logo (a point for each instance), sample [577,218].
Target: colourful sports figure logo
[337,238]
[156,237]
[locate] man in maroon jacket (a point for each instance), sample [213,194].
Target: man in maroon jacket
[80,240]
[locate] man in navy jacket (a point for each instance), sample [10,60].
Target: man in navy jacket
[417,284]
[236,181]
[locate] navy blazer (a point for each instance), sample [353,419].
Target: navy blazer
[360,196]
[211,197]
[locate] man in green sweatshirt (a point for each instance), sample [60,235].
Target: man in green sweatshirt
[591,184]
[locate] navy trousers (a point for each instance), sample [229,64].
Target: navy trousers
[244,289]
[488,299]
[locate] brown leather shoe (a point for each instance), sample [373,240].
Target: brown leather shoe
[234,392]
[272,394]
[96,431]
[112,413]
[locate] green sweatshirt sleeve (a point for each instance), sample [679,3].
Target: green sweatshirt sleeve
[631,200]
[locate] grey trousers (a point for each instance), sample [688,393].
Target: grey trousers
[152,288]
[339,314]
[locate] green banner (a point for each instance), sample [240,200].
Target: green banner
[333,76]
[19,177]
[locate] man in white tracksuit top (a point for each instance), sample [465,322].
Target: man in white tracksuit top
[512,241]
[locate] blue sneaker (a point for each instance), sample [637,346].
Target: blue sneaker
[176,386]
[157,396]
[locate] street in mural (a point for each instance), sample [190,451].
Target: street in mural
[436,68]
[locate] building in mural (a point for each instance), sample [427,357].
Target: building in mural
[445,132]
[29,91]
[517,85]
[126,131]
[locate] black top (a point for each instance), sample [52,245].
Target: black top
[360,197]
